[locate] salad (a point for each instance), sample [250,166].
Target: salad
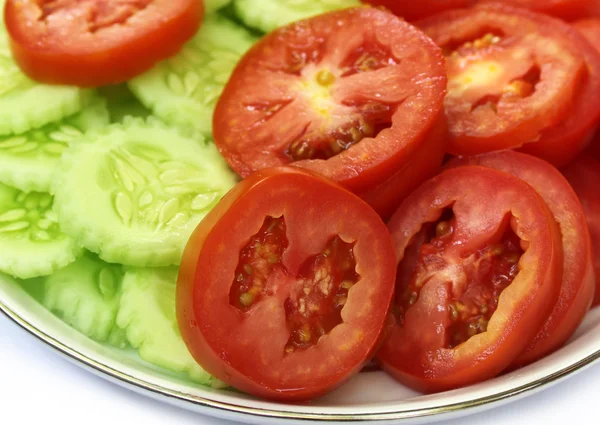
[269,194]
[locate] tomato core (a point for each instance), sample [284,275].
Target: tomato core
[484,274]
[320,290]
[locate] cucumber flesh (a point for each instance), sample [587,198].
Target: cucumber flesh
[28,161]
[147,314]
[86,296]
[184,89]
[31,241]
[211,6]
[266,15]
[135,192]
[25,104]
[122,103]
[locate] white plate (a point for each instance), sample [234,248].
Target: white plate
[370,396]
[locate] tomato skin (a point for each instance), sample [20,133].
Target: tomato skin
[486,111]
[213,329]
[564,9]
[584,176]
[250,141]
[590,29]
[578,282]
[411,11]
[407,353]
[57,55]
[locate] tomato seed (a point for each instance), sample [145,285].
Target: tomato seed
[325,78]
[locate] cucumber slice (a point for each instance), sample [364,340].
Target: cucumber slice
[28,161]
[147,313]
[86,296]
[134,192]
[266,15]
[122,103]
[185,88]
[25,105]
[34,287]
[211,6]
[31,242]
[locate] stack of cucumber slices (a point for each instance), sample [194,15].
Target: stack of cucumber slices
[101,189]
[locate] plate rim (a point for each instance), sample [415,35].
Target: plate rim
[126,380]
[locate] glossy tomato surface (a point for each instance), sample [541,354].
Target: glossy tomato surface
[564,9]
[578,281]
[353,95]
[512,74]
[413,10]
[285,286]
[97,42]
[584,176]
[590,29]
[479,265]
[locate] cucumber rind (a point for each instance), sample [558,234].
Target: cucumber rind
[34,169]
[85,295]
[147,314]
[31,243]
[184,89]
[266,15]
[139,224]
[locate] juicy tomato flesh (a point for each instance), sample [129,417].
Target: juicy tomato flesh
[565,9]
[418,10]
[507,81]
[323,282]
[590,29]
[487,271]
[351,95]
[97,42]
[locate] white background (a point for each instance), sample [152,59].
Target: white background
[38,386]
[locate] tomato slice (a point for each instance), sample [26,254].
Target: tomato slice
[479,266]
[412,11]
[578,281]
[584,176]
[284,288]
[590,29]
[511,75]
[97,42]
[352,95]
[565,9]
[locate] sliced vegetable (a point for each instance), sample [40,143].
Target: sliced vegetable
[122,103]
[284,287]
[479,270]
[413,10]
[565,9]
[31,241]
[150,186]
[184,89]
[92,43]
[147,314]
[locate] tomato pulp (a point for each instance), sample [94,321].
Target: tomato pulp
[285,286]
[479,266]
[584,176]
[354,95]
[97,42]
[578,282]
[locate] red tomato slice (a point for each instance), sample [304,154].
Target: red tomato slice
[563,143]
[353,95]
[590,29]
[479,266]
[578,281]
[584,176]
[565,9]
[97,42]
[511,75]
[284,288]
[413,10]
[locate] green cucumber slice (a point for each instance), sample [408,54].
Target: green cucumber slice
[28,161]
[86,296]
[266,15]
[31,242]
[211,6]
[25,104]
[135,192]
[147,314]
[122,103]
[185,88]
